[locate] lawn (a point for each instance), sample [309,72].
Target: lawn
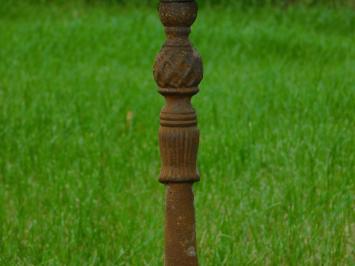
[79,157]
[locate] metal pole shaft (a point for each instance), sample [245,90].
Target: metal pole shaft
[180,239]
[178,72]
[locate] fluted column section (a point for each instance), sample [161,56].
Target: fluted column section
[178,72]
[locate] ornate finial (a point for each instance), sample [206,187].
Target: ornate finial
[178,72]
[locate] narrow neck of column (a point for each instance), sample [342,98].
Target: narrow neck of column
[180,239]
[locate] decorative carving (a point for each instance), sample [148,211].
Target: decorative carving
[179,158]
[178,71]
[178,67]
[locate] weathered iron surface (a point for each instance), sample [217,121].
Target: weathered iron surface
[178,72]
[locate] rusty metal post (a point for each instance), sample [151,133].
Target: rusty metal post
[178,72]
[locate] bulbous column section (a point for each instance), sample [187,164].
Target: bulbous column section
[178,72]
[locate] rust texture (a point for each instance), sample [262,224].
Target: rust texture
[178,72]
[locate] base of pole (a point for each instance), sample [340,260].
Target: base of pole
[180,236]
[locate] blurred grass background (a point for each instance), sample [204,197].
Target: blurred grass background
[79,115]
[200,2]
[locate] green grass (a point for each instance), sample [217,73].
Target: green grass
[78,181]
